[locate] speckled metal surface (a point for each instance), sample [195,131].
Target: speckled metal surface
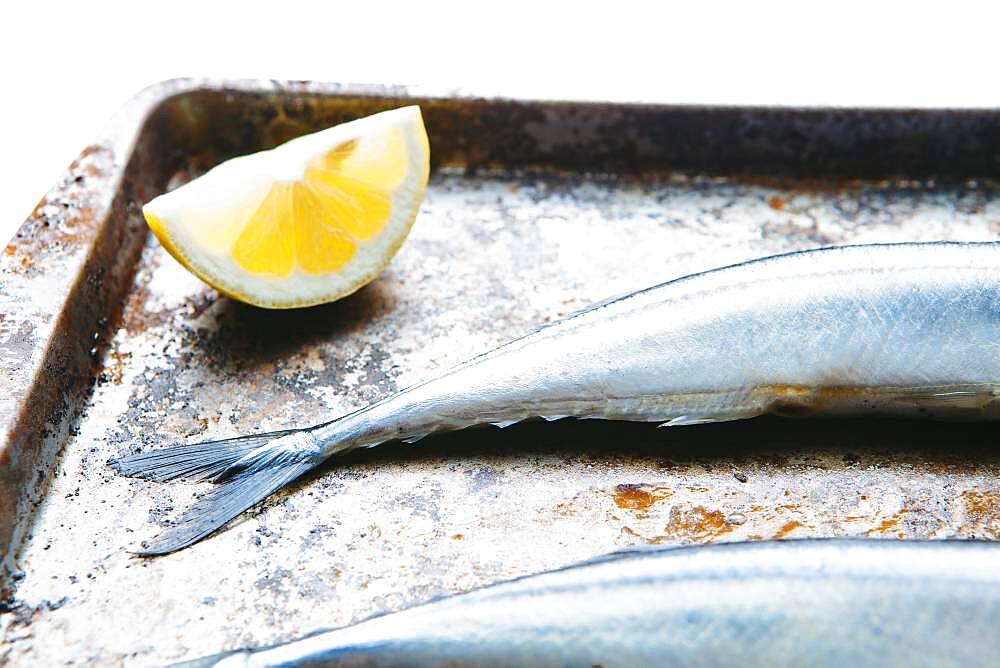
[534,210]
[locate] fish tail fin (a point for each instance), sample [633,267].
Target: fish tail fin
[196,462]
[247,470]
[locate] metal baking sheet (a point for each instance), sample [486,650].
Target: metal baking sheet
[534,209]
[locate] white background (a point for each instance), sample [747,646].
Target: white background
[68,66]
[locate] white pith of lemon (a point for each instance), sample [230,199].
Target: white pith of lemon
[305,223]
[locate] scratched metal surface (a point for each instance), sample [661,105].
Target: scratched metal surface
[494,253]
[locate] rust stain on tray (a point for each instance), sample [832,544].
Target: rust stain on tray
[788,528]
[982,513]
[640,497]
[884,526]
[694,525]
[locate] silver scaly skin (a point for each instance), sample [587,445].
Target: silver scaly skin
[909,329]
[825,602]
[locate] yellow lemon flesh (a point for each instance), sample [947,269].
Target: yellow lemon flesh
[307,222]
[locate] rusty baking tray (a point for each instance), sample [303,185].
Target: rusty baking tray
[534,209]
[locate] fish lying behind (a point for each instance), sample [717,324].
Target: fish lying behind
[826,602]
[895,328]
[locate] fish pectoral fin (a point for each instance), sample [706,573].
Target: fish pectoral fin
[724,416]
[685,420]
[972,399]
[503,424]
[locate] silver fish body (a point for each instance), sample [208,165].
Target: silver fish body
[892,328]
[783,603]
[886,327]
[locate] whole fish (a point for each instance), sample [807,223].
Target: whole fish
[826,602]
[892,328]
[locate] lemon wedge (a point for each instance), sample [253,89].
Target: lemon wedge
[305,223]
